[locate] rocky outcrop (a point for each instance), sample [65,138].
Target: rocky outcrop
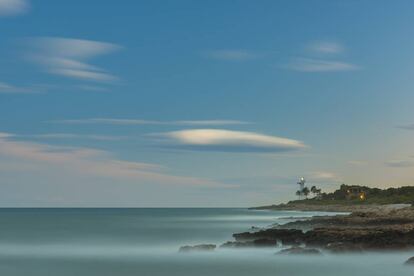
[360,231]
[337,239]
[250,243]
[284,236]
[410,261]
[340,247]
[236,244]
[197,248]
[341,239]
[297,250]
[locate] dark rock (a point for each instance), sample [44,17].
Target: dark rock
[410,261]
[285,236]
[236,244]
[300,251]
[254,243]
[340,247]
[369,230]
[358,239]
[333,238]
[197,248]
[264,243]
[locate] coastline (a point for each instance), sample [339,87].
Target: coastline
[372,228]
[349,208]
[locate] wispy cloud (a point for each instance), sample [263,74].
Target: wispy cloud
[407,126]
[209,122]
[321,57]
[232,54]
[227,141]
[324,176]
[13,7]
[6,88]
[326,47]
[320,65]
[113,121]
[75,136]
[399,163]
[69,57]
[91,162]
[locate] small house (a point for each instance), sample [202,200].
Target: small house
[355,192]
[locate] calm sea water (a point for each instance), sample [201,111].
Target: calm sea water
[145,242]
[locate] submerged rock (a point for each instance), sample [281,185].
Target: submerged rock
[236,244]
[264,242]
[300,251]
[410,261]
[285,236]
[197,248]
[341,247]
[253,243]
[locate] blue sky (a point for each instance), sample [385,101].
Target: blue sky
[202,103]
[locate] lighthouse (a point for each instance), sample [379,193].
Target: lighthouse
[301,184]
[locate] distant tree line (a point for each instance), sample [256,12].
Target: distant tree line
[373,195]
[305,192]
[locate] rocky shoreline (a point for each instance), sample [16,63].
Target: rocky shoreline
[382,228]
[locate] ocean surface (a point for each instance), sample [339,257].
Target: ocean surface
[145,242]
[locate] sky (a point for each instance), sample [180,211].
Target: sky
[202,103]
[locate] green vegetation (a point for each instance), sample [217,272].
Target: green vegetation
[350,195]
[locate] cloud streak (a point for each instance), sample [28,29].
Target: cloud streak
[113,121]
[90,162]
[76,136]
[399,163]
[407,126]
[70,57]
[324,176]
[326,47]
[321,58]
[6,88]
[13,7]
[227,141]
[320,65]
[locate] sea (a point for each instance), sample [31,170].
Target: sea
[145,242]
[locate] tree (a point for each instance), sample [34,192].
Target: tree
[316,191]
[298,193]
[305,192]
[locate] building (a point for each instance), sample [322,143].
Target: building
[354,192]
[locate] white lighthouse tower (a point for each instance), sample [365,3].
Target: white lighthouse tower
[301,184]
